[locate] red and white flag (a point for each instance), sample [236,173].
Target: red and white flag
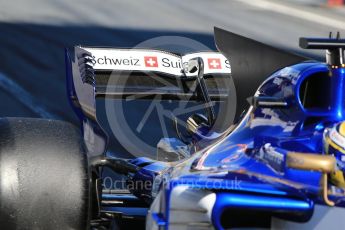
[151,61]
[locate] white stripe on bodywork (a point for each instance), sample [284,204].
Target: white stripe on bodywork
[191,208]
[155,61]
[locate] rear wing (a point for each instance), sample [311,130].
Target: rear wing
[146,74]
[137,73]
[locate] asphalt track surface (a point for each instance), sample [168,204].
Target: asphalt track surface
[33,35]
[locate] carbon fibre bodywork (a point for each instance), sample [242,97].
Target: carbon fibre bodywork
[239,178]
[242,178]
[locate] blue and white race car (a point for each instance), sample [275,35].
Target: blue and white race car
[279,165]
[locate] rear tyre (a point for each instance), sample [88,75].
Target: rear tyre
[44,182]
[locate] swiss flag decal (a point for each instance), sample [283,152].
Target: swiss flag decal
[214,63]
[151,61]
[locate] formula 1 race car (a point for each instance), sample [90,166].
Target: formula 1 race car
[280,164]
